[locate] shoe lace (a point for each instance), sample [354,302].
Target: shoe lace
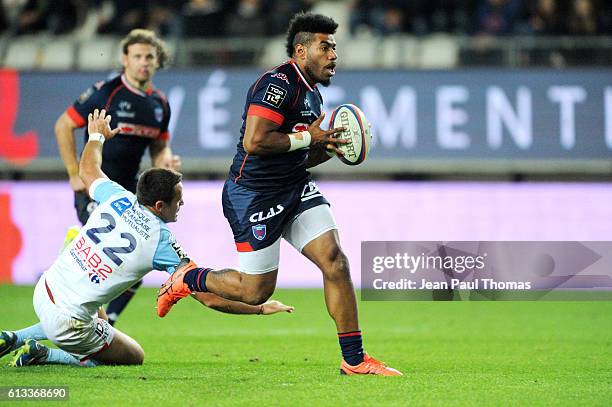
[167,286]
[376,365]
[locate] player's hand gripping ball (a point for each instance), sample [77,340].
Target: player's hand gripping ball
[357,131]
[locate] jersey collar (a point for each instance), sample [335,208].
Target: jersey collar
[133,89]
[301,75]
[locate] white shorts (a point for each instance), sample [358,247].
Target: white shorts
[81,337]
[303,229]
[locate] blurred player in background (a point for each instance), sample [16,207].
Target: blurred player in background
[269,193]
[125,238]
[142,114]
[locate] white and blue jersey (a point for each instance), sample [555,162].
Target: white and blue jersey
[120,243]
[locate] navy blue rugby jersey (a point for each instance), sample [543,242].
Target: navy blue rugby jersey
[283,96]
[142,116]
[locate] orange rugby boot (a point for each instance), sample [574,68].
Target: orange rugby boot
[368,366]
[174,288]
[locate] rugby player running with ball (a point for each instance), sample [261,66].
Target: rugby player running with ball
[269,194]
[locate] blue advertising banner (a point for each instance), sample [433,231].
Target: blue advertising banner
[504,118]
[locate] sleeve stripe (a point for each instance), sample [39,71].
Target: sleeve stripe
[264,112]
[94,185]
[75,116]
[165,136]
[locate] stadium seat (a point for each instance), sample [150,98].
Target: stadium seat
[23,53]
[339,11]
[58,54]
[410,52]
[172,47]
[360,52]
[438,51]
[101,56]
[399,52]
[274,53]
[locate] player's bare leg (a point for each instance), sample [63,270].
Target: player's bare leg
[123,350]
[250,288]
[326,253]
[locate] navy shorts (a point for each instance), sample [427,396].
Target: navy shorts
[257,218]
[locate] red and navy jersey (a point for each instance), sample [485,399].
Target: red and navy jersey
[142,116]
[283,96]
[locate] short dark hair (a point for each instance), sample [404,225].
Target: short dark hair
[303,26]
[157,184]
[141,36]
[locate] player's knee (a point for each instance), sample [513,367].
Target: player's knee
[336,265]
[138,356]
[258,297]
[258,291]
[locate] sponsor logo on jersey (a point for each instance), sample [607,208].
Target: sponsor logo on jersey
[259,231]
[299,127]
[310,191]
[138,130]
[87,258]
[259,216]
[308,111]
[280,76]
[180,252]
[274,95]
[159,114]
[121,205]
[138,221]
[102,330]
[124,106]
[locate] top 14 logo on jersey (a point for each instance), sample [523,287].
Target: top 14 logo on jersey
[274,95]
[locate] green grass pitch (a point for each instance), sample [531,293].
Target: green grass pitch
[452,353]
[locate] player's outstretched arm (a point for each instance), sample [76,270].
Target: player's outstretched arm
[261,137]
[98,126]
[176,287]
[220,304]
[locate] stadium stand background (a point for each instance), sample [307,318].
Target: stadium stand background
[59,34]
[375,36]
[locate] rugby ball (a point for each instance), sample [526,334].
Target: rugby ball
[357,132]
